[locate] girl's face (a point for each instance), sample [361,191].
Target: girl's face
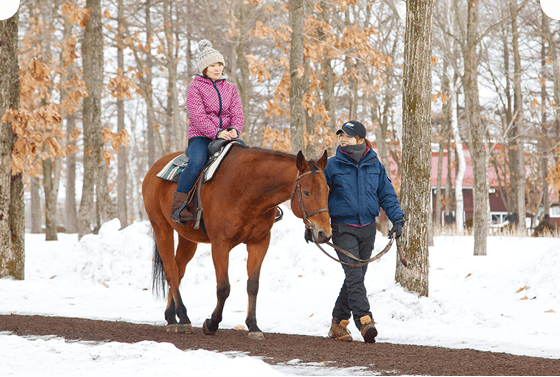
[214,71]
[345,140]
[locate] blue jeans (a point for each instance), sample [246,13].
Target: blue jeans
[197,151]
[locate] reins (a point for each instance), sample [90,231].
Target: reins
[361,262]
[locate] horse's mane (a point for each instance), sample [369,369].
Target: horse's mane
[312,162]
[273,152]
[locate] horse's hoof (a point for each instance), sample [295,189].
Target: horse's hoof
[185,328]
[205,328]
[256,335]
[172,328]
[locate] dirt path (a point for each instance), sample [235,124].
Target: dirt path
[384,358]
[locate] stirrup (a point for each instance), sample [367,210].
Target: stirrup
[175,216]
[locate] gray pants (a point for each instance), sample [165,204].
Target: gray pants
[352,299]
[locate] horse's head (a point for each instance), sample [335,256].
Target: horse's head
[310,200]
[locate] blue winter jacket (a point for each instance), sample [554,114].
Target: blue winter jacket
[358,191]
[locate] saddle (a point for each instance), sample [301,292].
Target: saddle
[172,171]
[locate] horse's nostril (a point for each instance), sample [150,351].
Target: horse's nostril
[323,237]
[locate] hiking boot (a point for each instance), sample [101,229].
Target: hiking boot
[339,330]
[179,211]
[368,330]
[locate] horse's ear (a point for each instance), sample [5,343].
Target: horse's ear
[301,163]
[323,161]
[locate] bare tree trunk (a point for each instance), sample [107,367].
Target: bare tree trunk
[12,210]
[511,189]
[51,178]
[543,142]
[51,166]
[148,96]
[174,114]
[476,131]
[518,106]
[122,179]
[70,202]
[297,77]
[462,164]
[448,188]
[328,76]
[297,117]
[556,72]
[444,135]
[415,191]
[36,213]
[95,171]
[244,83]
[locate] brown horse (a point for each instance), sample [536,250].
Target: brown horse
[239,206]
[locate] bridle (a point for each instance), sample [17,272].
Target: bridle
[306,216]
[297,189]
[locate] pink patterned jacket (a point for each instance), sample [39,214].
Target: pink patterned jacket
[213,106]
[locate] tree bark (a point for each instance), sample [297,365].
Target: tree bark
[51,178]
[12,210]
[510,187]
[123,151]
[148,95]
[556,72]
[327,74]
[476,131]
[70,202]
[244,83]
[462,165]
[95,168]
[415,189]
[518,106]
[543,142]
[36,213]
[297,116]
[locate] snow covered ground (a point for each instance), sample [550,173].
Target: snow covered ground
[507,301]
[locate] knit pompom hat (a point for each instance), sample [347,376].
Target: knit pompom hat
[208,55]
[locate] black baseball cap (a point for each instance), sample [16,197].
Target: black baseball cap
[353,128]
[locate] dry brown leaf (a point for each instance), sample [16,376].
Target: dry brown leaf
[468,275]
[524,298]
[522,289]
[550,311]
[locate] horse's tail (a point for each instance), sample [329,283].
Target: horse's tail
[159,283]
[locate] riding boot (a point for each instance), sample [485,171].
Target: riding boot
[179,211]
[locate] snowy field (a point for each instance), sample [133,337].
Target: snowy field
[507,301]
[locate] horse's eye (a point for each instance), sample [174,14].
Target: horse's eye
[306,193]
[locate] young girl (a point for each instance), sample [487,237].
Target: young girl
[215,112]
[359,186]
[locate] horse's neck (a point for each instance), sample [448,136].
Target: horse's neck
[276,177]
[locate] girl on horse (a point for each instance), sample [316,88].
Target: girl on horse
[359,186]
[215,112]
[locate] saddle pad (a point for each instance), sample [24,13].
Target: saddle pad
[217,160]
[173,169]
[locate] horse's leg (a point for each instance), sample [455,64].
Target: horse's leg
[184,254]
[164,239]
[220,257]
[257,252]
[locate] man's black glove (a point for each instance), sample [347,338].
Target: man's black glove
[309,235]
[397,228]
